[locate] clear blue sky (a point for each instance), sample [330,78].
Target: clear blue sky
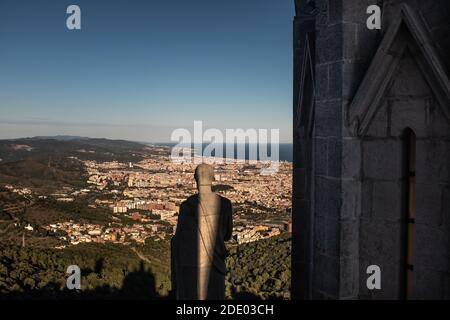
[140,68]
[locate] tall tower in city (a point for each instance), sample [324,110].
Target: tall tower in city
[371,150]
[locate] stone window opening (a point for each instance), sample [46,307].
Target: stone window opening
[409,202]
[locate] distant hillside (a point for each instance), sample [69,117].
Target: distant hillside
[45,148]
[47,162]
[61,138]
[38,174]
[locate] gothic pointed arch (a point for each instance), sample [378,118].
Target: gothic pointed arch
[407,34]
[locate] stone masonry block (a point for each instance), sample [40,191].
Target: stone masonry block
[382,159]
[432,248]
[327,117]
[351,199]
[387,200]
[429,204]
[433,165]
[334,157]
[329,44]
[351,158]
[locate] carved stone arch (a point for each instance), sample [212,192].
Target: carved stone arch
[408,33]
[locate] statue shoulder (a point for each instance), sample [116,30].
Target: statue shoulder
[225,201]
[189,202]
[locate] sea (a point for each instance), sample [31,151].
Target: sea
[285,150]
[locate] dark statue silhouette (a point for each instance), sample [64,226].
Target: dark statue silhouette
[198,246]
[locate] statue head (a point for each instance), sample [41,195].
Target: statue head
[204,175]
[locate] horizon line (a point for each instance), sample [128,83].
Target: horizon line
[74,137]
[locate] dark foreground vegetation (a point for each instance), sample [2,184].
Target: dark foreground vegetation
[259,270]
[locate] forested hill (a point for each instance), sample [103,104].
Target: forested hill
[258,270]
[55,148]
[53,162]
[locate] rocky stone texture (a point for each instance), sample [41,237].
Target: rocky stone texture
[348,205]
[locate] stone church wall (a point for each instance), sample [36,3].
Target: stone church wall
[352,183]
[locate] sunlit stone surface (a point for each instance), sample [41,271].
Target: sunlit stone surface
[198,247]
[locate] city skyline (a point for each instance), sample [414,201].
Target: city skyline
[137,72]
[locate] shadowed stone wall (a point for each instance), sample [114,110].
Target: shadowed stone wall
[349,175]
